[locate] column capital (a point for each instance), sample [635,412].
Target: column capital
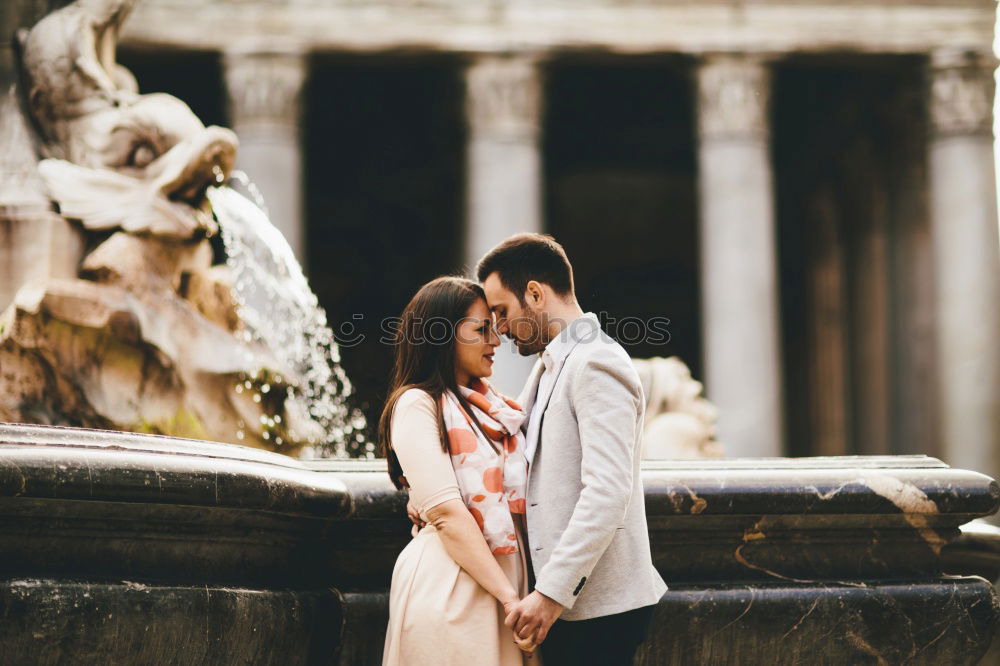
[734,94]
[504,96]
[961,92]
[265,89]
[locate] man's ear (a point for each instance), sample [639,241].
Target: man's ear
[534,294]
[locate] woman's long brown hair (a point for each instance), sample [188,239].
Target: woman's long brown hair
[425,354]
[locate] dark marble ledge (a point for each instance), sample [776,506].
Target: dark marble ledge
[20,434]
[57,436]
[815,462]
[948,620]
[982,536]
[940,621]
[926,622]
[126,623]
[92,474]
[821,491]
[919,486]
[976,550]
[89,465]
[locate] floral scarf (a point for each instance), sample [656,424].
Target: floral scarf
[491,473]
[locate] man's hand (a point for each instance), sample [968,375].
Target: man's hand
[414,516]
[525,645]
[533,616]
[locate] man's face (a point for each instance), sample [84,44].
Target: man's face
[520,323]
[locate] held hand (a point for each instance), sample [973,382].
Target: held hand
[533,616]
[526,645]
[414,516]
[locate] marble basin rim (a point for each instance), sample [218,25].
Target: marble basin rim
[112,505]
[46,461]
[107,534]
[96,505]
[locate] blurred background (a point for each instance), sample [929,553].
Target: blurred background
[805,189]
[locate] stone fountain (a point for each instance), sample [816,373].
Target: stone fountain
[130,548]
[139,325]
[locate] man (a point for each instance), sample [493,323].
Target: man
[595,585]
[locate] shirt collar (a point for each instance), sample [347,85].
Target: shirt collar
[580,329]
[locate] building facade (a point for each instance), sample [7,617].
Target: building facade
[805,189]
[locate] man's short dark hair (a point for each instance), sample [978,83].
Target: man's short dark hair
[525,257]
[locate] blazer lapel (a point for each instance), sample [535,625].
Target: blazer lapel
[552,388]
[526,399]
[539,413]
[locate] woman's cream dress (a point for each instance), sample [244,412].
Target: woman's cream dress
[437,613]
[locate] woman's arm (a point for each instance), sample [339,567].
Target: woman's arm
[434,490]
[465,543]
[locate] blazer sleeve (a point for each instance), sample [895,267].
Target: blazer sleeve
[607,400]
[417,443]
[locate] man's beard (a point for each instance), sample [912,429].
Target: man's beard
[529,351]
[538,341]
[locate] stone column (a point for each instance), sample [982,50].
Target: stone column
[14,15]
[503,110]
[35,242]
[265,91]
[738,264]
[8,24]
[966,257]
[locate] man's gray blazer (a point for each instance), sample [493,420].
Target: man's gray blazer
[586,511]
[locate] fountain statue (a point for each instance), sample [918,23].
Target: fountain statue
[152,327]
[680,422]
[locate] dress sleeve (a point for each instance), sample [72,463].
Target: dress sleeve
[417,444]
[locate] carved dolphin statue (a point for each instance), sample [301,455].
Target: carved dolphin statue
[114,158]
[68,63]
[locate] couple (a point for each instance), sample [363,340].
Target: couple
[530,518]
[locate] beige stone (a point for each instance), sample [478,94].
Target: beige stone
[680,422]
[142,333]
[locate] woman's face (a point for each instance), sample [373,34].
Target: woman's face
[475,342]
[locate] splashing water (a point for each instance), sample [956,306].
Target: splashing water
[280,310]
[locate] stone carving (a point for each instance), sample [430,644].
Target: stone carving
[733,97]
[69,58]
[34,240]
[680,422]
[116,159]
[504,96]
[961,92]
[146,337]
[264,88]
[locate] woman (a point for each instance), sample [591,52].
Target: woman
[457,446]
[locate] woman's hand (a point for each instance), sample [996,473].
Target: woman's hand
[414,516]
[508,603]
[526,645]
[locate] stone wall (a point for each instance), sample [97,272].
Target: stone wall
[132,549]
